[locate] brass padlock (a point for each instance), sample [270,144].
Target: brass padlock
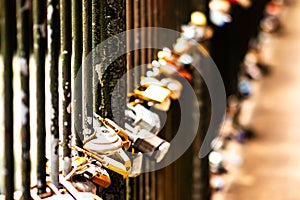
[110,163]
[153,95]
[93,171]
[153,92]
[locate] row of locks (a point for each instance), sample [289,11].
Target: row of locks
[121,149]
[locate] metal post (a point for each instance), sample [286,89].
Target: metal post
[112,22]
[77,71]
[66,52]
[129,44]
[53,46]
[96,39]
[23,11]
[137,37]
[87,68]
[40,34]
[150,24]
[7,53]
[143,17]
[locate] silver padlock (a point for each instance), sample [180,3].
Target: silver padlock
[173,85]
[108,144]
[148,143]
[143,140]
[137,163]
[143,118]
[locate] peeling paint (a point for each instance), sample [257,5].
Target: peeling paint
[69,108]
[50,12]
[26,6]
[89,120]
[67,164]
[23,66]
[41,30]
[23,109]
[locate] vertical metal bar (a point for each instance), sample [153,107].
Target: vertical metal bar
[113,21]
[7,53]
[129,43]
[130,186]
[40,34]
[150,24]
[87,73]
[66,52]
[54,46]
[155,21]
[138,182]
[201,167]
[77,71]
[96,39]
[143,17]
[137,37]
[23,54]
[152,181]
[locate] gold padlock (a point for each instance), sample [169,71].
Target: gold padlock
[94,172]
[153,92]
[109,163]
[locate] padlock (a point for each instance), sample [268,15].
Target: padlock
[152,95]
[178,67]
[108,142]
[198,19]
[216,163]
[77,163]
[219,12]
[104,142]
[245,88]
[150,144]
[165,54]
[153,92]
[144,118]
[173,85]
[83,184]
[196,28]
[137,163]
[93,171]
[182,45]
[169,69]
[243,3]
[134,99]
[143,140]
[74,193]
[110,163]
[217,182]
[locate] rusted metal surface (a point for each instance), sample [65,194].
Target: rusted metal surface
[23,22]
[54,46]
[7,52]
[40,36]
[66,52]
[77,71]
